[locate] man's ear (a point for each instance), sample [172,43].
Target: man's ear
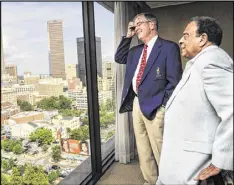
[152,25]
[204,39]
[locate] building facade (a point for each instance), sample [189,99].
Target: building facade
[11,69]
[81,58]
[9,95]
[71,71]
[56,49]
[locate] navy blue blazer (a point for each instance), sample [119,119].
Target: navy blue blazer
[162,73]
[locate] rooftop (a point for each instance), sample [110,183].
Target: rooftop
[25,114]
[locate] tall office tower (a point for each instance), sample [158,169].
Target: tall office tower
[2,59]
[56,49]
[81,58]
[109,77]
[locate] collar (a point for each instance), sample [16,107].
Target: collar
[152,41]
[203,51]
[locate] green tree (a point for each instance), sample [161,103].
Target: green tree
[81,133]
[68,131]
[106,119]
[8,145]
[48,103]
[35,176]
[56,153]
[85,120]
[70,112]
[24,105]
[18,149]
[66,112]
[21,169]
[11,163]
[109,105]
[16,177]
[55,103]
[52,176]
[4,179]
[110,134]
[42,135]
[64,103]
[5,165]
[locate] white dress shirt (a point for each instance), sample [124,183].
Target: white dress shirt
[149,49]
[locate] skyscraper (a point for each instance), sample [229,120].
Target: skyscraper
[56,49]
[109,77]
[2,59]
[11,69]
[81,58]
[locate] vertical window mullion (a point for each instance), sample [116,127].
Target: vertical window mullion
[92,89]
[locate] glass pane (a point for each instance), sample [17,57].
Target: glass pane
[104,27]
[45,132]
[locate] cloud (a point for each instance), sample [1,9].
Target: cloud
[25,37]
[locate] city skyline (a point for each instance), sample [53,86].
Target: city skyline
[25,39]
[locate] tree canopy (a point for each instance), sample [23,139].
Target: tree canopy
[12,146]
[53,102]
[24,105]
[42,136]
[35,175]
[81,133]
[56,153]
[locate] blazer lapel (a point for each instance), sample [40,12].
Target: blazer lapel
[136,60]
[178,88]
[152,58]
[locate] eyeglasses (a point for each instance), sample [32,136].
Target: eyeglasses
[140,23]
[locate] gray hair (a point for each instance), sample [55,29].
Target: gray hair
[149,17]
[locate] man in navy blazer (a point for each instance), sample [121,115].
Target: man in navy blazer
[153,70]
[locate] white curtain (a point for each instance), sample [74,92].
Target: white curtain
[125,149]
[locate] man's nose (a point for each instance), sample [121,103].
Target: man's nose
[181,41]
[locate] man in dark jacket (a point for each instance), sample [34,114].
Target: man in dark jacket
[153,70]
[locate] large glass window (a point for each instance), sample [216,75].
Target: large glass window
[44,110]
[104,31]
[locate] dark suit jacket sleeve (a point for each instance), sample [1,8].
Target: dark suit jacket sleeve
[173,71]
[122,50]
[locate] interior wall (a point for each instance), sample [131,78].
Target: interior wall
[173,20]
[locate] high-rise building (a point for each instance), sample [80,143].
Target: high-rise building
[71,71]
[56,49]
[81,58]
[109,77]
[2,59]
[11,69]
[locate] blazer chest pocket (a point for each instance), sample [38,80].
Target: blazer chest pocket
[196,146]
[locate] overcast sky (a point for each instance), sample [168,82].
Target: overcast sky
[25,39]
